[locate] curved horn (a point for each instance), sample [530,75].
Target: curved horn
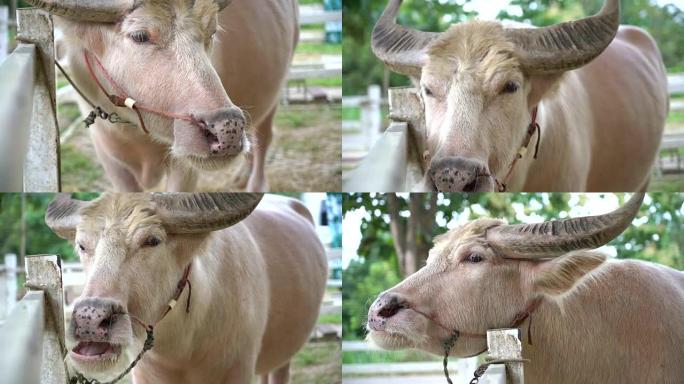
[401,49]
[567,46]
[203,212]
[102,11]
[223,3]
[557,237]
[63,215]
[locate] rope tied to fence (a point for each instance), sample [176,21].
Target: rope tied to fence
[97,111]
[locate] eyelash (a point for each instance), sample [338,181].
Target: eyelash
[473,258]
[140,37]
[151,241]
[510,87]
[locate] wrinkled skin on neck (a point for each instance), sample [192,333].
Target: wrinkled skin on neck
[171,72]
[129,259]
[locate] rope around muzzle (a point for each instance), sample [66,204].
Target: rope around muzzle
[119,99]
[78,378]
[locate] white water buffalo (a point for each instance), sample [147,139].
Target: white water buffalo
[596,321]
[256,280]
[177,59]
[599,91]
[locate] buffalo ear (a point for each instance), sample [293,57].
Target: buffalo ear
[63,215]
[560,275]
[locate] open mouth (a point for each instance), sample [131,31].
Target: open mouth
[92,351]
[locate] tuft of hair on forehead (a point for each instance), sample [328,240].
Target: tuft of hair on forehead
[128,211]
[165,14]
[481,46]
[472,230]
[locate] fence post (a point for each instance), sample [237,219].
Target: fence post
[10,298]
[4,32]
[41,167]
[505,344]
[406,105]
[44,272]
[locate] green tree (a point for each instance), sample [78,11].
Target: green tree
[29,225]
[360,68]
[664,23]
[382,262]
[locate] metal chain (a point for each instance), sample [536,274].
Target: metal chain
[480,371]
[149,343]
[113,117]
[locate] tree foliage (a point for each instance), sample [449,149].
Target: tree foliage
[39,239]
[361,68]
[657,235]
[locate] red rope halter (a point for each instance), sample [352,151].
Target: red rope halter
[122,99]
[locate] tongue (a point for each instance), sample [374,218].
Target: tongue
[92,348]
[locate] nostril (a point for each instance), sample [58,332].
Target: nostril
[390,309]
[106,323]
[470,187]
[388,312]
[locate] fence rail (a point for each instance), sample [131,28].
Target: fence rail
[502,344]
[29,149]
[393,164]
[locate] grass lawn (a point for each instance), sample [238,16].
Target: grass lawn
[667,183]
[319,48]
[335,318]
[368,357]
[675,117]
[317,363]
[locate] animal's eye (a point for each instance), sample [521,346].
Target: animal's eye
[81,247]
[151,241]
[474,258]
[140,37]
[428,92]
[510,87]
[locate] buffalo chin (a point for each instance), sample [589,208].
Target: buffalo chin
[390,341]
[208,164]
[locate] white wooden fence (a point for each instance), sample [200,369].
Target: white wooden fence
[8,285]
[29,149]
[4,32]
[32,336]
[502,344]
[393,163]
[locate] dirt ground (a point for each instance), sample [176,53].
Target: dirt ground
[304,156]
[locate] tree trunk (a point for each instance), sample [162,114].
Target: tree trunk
[398,229]
[412,235]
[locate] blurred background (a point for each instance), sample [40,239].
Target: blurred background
[366,80]
[306,149]
[23,232]
[387,237]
